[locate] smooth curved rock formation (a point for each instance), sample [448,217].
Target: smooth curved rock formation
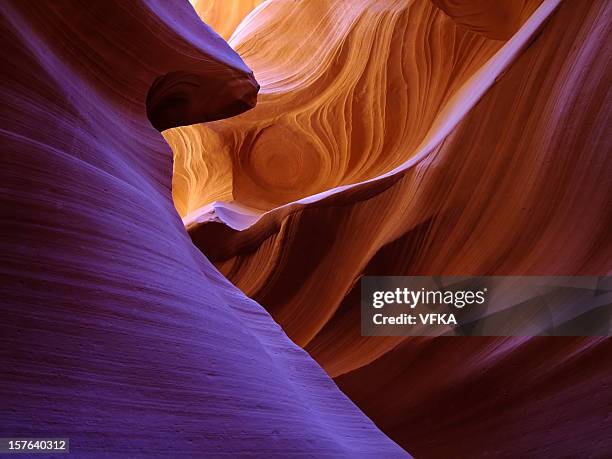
[116,331]
[180,98]
[405,138]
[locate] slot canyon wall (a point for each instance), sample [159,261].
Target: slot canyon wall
[418,138]
[117,333]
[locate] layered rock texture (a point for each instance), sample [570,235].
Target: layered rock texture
[420,137]
[116,331]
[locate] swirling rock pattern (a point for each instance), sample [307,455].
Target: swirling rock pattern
[116,331]
[329,115]
[416,138]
